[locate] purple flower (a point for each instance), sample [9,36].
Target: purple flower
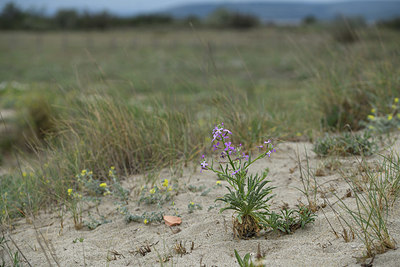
[246,157]
[216,146]
[270,152]
[203,165]
[233,173]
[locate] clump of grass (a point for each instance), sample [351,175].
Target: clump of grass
[372,207]
[346,94]
[309,182]
[346,144]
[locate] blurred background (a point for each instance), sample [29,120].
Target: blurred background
[139,84]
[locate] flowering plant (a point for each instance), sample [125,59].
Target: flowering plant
[248,194]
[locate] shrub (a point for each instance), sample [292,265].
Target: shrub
[346,144]
[228,19]
[344,30]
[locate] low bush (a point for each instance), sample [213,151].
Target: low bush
[346,144]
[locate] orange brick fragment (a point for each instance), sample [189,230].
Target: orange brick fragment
[172,220]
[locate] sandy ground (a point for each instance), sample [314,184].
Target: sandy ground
[115,243]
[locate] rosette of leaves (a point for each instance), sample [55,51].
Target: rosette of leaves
[249,201]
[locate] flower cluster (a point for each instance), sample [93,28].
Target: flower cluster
[384,123]
[227,151]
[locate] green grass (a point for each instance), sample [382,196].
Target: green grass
[141,100]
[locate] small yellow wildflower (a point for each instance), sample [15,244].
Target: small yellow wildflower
[24,174]
[373,110]
[390,117]
[165,183]
[4,211]
[107,193]
[112,168]
[103,185]
[371,117]
[169,188]
[110,173]
[152,191]
[218,182]
[83,172]
[145,221]
[90,173]
[69,191]
[396,100]
[192,203]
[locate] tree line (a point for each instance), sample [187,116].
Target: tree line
[14,18]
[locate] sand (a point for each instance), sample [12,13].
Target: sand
[206,234]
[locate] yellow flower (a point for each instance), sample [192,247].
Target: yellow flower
[371,117]
[152,191]
[90,173]
[165,183]
[145,221]
[169,189]
[69,191]
[396,100]
[373,110]
[24,174]
[390,117]
[218,182]
[112,168]
[103,185]
[192,203]
[83,172]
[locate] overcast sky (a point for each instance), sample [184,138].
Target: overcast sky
[127,6]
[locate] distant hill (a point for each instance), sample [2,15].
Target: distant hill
[294,12]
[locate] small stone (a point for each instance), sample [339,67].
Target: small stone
[172,220]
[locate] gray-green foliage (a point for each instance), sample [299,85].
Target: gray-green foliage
[289,220]
[346,144]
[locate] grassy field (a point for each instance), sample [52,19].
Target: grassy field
[145,99]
